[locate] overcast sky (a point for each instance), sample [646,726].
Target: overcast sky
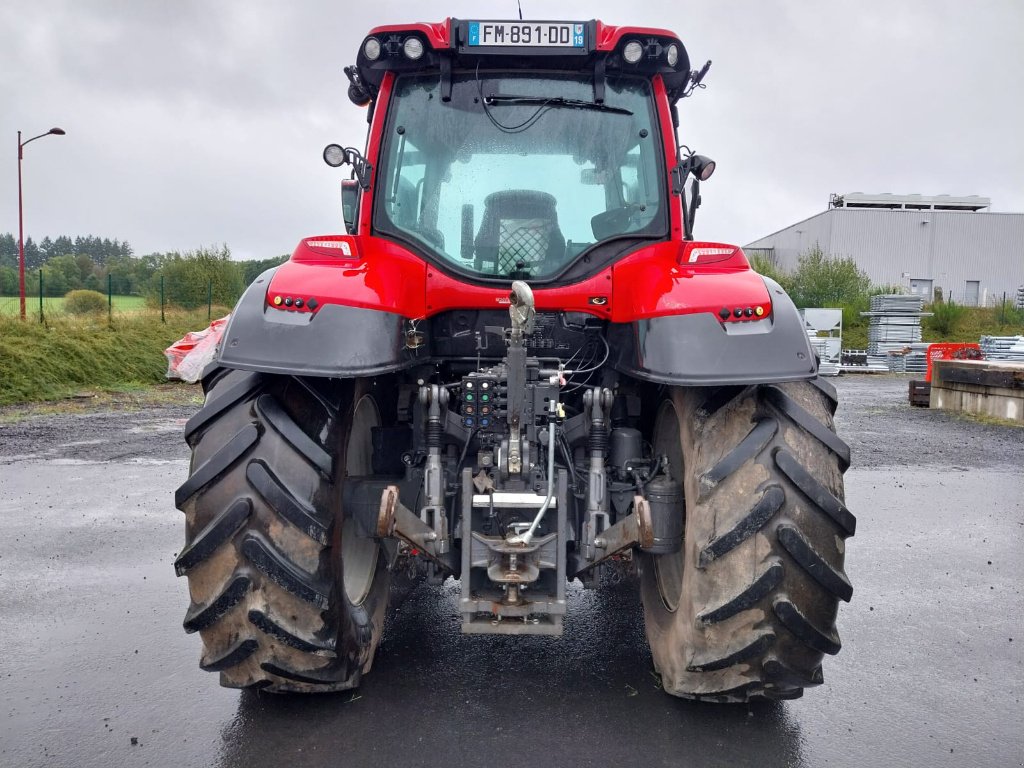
[193,122]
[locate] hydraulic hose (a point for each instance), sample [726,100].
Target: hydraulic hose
[527,537]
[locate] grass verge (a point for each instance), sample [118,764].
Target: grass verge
[54,305]
[126,400]
[64,356]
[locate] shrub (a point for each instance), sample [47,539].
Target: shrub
[192,278]
[766,266]
[946,316]
[84,302]
[253,269]
[821,280]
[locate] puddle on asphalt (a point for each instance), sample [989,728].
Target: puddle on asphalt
[158,426]
[119,460]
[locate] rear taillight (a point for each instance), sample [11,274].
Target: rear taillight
[694,254]
[336,247]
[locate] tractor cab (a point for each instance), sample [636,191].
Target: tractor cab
[539,151]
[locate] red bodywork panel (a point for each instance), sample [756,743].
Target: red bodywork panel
[438,35]
[375,273]
[608,37]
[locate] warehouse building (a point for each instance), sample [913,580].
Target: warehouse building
[941,245]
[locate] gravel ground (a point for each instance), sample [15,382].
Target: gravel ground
[884,430]
[101,427]
[874,417]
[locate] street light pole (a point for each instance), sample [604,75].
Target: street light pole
[21,226]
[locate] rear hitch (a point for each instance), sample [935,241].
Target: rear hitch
[395,520]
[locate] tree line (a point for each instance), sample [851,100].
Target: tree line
[95,263]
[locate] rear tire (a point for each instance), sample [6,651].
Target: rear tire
[747,608]
[284,596]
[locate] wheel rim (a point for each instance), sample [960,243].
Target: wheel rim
[668,569]
[358,553]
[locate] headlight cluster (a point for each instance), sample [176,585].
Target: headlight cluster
[653,50]
[394,45]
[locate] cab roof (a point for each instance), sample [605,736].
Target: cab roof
[584,46]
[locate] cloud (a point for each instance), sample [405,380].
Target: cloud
[194,123]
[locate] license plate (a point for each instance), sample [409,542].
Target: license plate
[526,34]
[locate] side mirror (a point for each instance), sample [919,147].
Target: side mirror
[350,204]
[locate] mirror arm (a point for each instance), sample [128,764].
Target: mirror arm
[362,168]
[694,205]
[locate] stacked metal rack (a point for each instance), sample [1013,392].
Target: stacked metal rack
[1003,348]
[894,333]
[824,329]
[916,360]
[1020,297]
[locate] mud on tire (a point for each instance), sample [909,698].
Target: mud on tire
[264,552]
[747,609]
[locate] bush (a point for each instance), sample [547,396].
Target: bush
[821,280]
[191,279]
[84,302]
[946,316]
[764,265]
[253,269]
[8,281]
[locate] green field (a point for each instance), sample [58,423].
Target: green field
[10,305]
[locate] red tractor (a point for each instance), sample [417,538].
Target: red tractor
[517,368]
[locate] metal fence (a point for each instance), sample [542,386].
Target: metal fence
[119,295]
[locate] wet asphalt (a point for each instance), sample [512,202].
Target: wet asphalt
[96,671]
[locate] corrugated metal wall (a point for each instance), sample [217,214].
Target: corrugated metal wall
[950,248]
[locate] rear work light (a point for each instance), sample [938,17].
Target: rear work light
[388,47]
[412,48]
[371,48]
[633,51]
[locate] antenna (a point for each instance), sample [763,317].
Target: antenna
[520,4]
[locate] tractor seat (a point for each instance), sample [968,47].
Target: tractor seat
[519,231]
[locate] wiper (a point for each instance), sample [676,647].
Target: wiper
[555,101]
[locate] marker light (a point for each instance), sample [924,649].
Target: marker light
[413,48]
[633,51]
[371,48]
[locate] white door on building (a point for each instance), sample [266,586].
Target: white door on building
[922,287]
[972,293]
